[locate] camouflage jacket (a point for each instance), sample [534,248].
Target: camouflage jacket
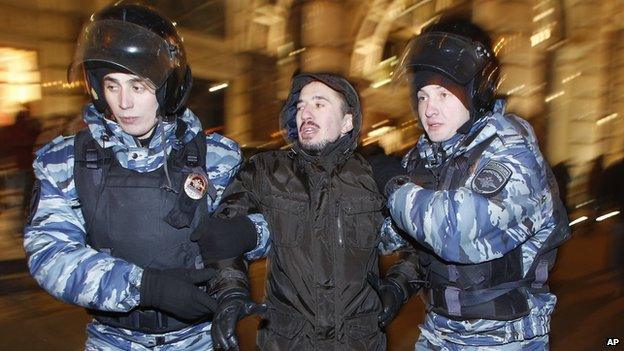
[477,221]
[55,241]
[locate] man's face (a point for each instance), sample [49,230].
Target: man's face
[441,113]
[320,116]
[132,102]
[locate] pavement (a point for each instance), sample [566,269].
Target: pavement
[588,316]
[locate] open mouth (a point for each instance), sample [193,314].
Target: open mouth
[308,129]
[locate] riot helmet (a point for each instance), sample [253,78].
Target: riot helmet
[132,38]
[458,50]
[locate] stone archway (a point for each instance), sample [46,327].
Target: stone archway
[381,17]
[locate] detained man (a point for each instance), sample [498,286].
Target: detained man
[323,215]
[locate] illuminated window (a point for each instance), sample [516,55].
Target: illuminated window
[19,81]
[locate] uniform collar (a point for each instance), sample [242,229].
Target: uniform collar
[127,149]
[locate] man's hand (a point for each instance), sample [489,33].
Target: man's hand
[384,169]
[229,312]
[175,291]
[220,238]
[391,297]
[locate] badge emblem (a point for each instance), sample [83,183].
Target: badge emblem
[491,179]
[195,185]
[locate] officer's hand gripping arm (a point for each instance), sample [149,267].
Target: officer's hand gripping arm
[236,226]
[220,238]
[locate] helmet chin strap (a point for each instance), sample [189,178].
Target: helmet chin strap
[169,185]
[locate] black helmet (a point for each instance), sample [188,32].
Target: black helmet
[460,50]
[135,39]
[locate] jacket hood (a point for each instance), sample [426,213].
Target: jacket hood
[109,134]
[288,121]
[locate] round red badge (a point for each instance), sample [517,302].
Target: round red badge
[195,185]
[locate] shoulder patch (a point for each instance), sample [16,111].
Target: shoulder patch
[491,179]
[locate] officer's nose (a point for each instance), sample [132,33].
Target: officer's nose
[431,109]
[125,99]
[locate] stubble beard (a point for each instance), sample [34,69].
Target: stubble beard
[315,147]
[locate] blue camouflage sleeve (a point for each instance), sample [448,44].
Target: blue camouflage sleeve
[223,161]
[468,225]
[390,240]
[263,244]
[55,242]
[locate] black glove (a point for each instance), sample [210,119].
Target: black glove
[220,238]
[391,296]
[230,311]
[175,291]
[385,168]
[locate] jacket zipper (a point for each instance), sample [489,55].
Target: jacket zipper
[339,224]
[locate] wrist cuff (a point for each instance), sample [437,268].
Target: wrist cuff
[402,286]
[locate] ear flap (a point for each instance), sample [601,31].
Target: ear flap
[172,95]
[94,85]
[185,88]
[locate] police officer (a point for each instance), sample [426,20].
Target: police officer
[115,204]
[478,196]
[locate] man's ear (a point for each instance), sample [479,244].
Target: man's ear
[347,124]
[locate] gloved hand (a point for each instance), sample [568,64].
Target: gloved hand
[229,312]
[175,291]
[391,296]
[385,168]
[220,238]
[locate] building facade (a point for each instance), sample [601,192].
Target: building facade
[563,64]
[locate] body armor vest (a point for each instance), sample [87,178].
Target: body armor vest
[125,215]
[495,290]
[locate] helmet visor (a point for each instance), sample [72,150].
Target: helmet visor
[454,56]
[128,46]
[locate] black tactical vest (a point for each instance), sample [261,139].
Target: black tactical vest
[125,211]
[496,289]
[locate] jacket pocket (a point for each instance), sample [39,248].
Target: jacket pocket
[285,325]
[285,216]
[362,326]
[362,220]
